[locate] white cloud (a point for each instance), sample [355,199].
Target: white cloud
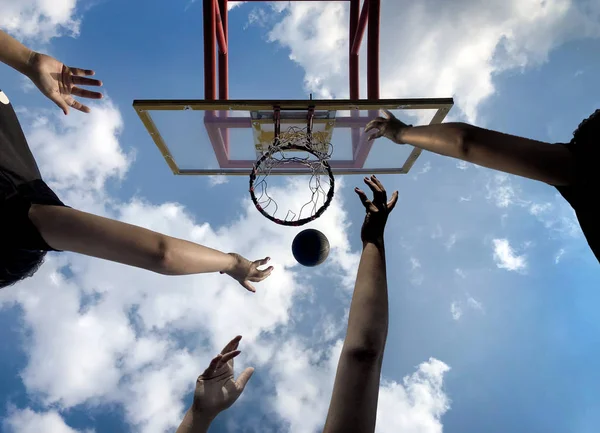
[29,421]
[459,308]
[230,4]
[506,258]
[456,310]
[501,190]
[557,216]
[218,180]
[462,165]
[39,20]
[234,4]
[414,263]
[475,304]
[425,169]
[417,276]
[451,241]
[418,404]
[469,44]
[79,151]
[559,256]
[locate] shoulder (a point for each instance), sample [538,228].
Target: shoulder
[586,138]
[15,224]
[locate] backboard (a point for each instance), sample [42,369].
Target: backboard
[226,137]
[221,136]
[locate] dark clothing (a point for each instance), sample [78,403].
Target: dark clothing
[584,194]
[21,185]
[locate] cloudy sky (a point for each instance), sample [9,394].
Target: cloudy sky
[493,290]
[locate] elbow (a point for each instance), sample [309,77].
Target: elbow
[364,354]
[368,350]
[464,139]
[163,258]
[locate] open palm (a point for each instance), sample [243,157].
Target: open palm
[60,83]
[377,210]
[216,389]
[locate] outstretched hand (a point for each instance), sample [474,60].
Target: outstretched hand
[216,390]
[244,271]
[387,126]
[377,209]
[60,83]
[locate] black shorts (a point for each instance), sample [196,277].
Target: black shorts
[21,185]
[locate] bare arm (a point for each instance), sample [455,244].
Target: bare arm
[56,81]
[14,53]
[353,406]
[194,423]
[537,160]
[216,390]
[72,230]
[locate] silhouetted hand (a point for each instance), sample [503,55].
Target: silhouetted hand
[244,271]
[377,209]
[59,82]
[216,390]
[387,126]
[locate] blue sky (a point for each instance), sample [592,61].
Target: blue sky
[493,290]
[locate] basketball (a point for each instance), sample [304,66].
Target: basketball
[310,247]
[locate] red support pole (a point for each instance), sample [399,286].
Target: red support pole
[220,27]
[210,63]
[354,63]
[356,39]
[224,56]
[373,50]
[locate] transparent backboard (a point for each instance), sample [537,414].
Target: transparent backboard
[199,137]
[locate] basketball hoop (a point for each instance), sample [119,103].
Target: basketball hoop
[280,154]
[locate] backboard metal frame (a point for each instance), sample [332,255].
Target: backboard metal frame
[217,125]
[216,38]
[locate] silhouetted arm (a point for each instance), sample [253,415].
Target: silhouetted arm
[353,406]
[537,160]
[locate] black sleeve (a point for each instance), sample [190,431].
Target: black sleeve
[15,226]
[584,194]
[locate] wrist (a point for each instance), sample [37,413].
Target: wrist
[195,422]
[399,137]
[229,263]
[29,64]
[375,240]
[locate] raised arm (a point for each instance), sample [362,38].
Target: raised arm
[537,160]
[56,81]
[68,229]
[353,406]
[216,390]
[14,54]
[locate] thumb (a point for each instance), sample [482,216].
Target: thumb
[246,285]
[243,378]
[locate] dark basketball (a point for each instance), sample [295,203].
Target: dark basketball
[310,247]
